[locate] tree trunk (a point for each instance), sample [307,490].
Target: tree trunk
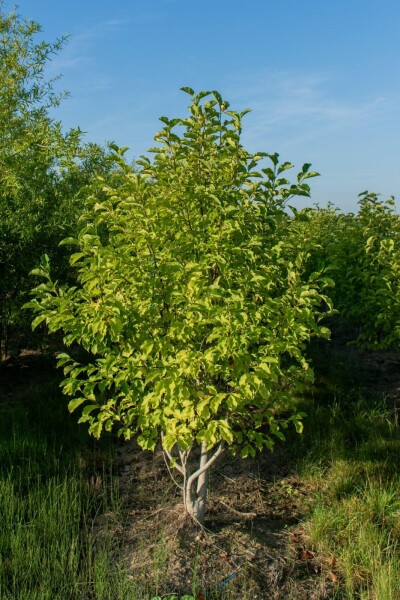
[195,490]
[196,485]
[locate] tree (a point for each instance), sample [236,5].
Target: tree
[191,302]
[41,167]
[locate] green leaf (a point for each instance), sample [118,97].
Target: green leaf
[201,95]
[69,241]
[86,412]
[37,320]
[95,429]
[284,167]
[73,404]
[325,332]
[75,257]
[274,158]
[188,90]
[217,96]
[40,273]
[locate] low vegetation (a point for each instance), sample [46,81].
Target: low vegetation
[53,484]
[320,517]
[350,457]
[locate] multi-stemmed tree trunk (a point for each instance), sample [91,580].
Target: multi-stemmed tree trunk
[195,475]
[196,485]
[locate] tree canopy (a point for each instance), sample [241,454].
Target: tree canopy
[42,167]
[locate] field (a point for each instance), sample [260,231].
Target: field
[318,518]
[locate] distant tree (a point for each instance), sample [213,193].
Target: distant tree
[41,167]
[362,252]
[190,300]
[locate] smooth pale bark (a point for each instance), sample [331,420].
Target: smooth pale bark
[196,485]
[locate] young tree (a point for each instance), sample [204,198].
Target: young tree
[41,167]
[191,302]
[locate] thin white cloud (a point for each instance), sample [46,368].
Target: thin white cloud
[100,29]
[286,101]
[78,56]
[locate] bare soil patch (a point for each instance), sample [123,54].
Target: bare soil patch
[251,545]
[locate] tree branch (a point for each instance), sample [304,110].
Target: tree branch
[165,454]
[171,458]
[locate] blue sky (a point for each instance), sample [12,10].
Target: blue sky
[322,77]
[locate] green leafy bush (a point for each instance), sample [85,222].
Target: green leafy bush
[362,252]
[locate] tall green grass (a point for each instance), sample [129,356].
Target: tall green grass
[54,482]
[350,454]
[61,512]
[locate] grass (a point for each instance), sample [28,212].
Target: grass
[54,483]
[60,505]
[350,455]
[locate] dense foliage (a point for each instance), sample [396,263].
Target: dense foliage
[42,168]
[363,254]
